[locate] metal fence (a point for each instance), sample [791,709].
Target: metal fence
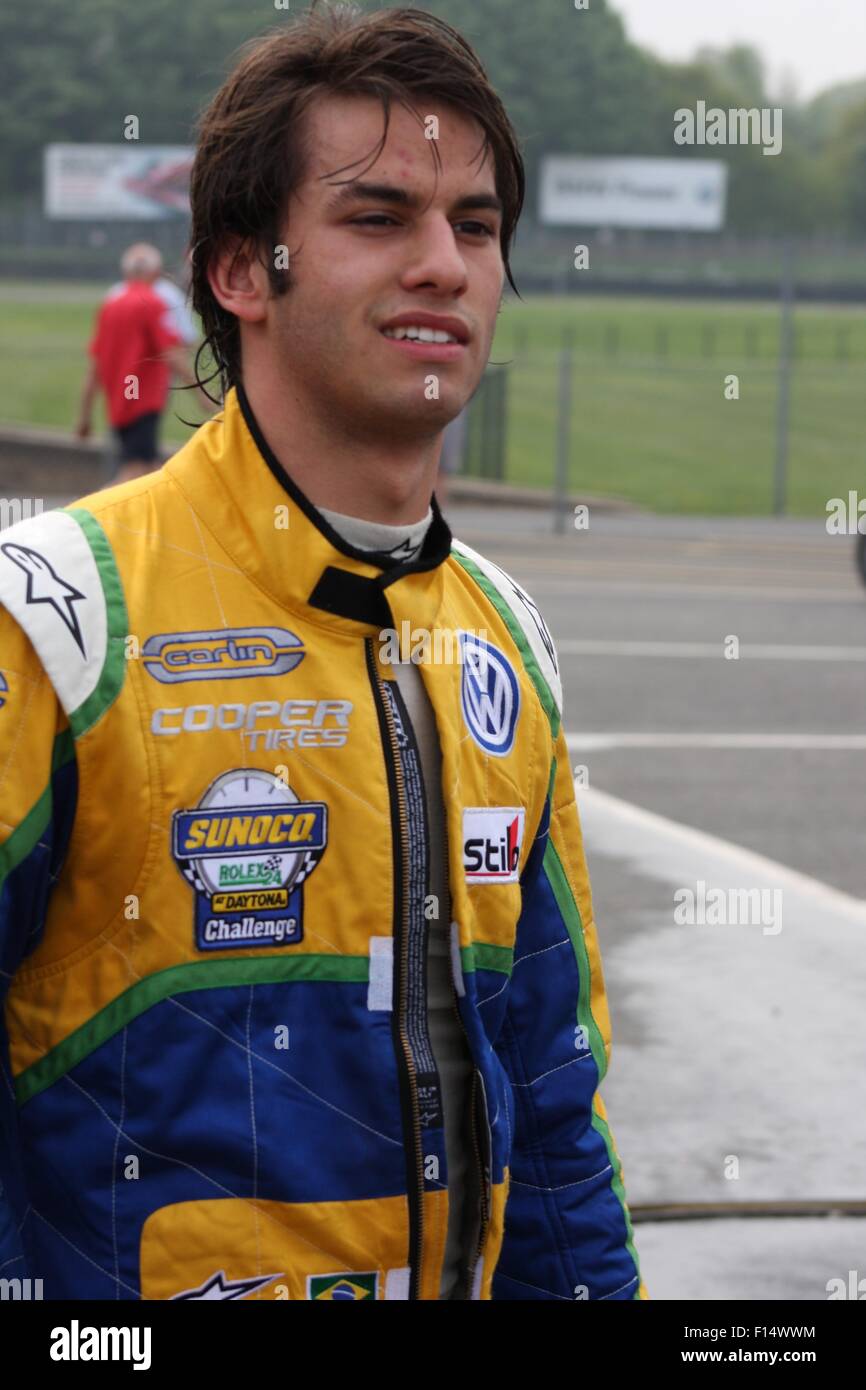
[606,380]
[677,405]
[37,247]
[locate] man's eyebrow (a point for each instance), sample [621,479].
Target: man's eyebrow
[357,191]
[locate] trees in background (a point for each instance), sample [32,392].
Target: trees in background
[571,79]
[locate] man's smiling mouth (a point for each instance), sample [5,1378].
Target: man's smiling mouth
[420,335]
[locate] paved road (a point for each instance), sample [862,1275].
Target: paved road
[739,1052]
[764,750]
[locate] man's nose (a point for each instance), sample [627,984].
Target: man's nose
[436,258]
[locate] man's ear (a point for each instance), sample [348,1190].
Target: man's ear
[239,280]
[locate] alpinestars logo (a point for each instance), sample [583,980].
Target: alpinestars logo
[218,1289]
[403,551]
[44,585]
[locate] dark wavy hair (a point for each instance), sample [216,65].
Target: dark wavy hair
[252,153]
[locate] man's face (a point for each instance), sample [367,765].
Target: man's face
[361,257]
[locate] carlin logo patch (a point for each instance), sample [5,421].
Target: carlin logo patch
[492,838]
[247,849]
[347,1288]
[44,585]
[490,695]
[226,654]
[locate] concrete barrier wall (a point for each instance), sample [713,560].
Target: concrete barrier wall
[51,464]
[40,463]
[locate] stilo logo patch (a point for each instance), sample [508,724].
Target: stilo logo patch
[492,840]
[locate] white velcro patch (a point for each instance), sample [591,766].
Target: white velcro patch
[380,989]
[397,1284]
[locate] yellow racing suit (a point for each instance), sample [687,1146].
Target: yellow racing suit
[213,914]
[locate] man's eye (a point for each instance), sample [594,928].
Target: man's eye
[480,227]
[373,219]
[379,219]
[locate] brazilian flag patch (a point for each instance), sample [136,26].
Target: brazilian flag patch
[347,1287]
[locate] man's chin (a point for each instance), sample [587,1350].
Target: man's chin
[407,418]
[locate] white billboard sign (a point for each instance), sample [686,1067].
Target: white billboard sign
[128,181]
[676,194]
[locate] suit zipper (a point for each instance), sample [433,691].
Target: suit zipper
[479,1162]
[408,1083]
[485,1203]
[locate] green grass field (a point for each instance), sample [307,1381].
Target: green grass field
[649,417]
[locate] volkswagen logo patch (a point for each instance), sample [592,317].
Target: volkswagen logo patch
[490,695]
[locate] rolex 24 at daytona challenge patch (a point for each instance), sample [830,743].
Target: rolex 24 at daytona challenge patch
[247,850]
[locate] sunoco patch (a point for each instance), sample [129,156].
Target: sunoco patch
[247,849]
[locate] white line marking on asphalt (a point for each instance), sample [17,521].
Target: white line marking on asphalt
[760,651]
[581,742]
[691,593]
[665,849]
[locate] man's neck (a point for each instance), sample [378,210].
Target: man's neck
[402,543]
[386,480]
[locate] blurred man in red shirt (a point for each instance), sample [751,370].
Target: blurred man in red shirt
[134,352]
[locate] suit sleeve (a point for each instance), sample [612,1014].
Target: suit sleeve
[37,807]
[567,1229]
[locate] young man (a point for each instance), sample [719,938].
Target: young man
[137,345]
[304,989]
